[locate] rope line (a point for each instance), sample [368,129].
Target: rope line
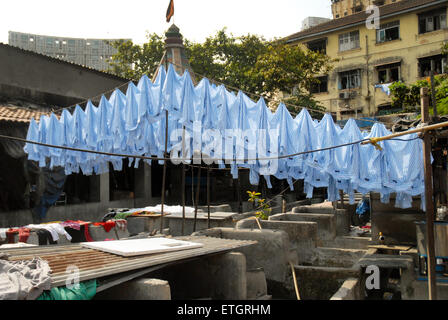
[178,159]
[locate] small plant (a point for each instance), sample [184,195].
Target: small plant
[264,210]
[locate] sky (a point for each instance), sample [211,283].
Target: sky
[196,19]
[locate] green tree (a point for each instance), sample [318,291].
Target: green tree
[291,69]
[228,59]
[407,97]
[132,61]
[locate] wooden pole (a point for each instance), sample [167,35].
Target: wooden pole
[208,196]
[403,133]
[197,198]
[430,251]
[164,171]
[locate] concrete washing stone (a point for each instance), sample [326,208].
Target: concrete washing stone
[138,289]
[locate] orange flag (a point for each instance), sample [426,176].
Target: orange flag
[170,11]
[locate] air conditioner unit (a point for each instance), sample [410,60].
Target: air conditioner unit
[344,95]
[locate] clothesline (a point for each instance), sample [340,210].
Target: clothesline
[227,127]
[186,159]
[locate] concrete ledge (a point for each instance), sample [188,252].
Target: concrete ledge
[139,289]
[272,251]
[256,284]
[387,261]
[338,257]
[217,208]
[175,224]
[420,291]
[350,290]
[348,242]
[321,283]
[343,222]
[221,276]
[136,225]
[99,234]
[324,207]
[302,235]
[326,223]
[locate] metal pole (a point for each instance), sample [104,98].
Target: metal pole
[183,181]
[432,289]
[183,198]
[283,198]
[192,186]
[208,196]
[433,90]
[238,190]
[197,199]
[164,170]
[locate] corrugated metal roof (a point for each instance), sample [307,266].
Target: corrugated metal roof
[94,264]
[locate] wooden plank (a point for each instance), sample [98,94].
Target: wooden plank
[386,261]
[391,247]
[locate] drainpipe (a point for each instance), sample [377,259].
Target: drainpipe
[367,74]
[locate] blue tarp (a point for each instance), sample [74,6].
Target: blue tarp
[227,125]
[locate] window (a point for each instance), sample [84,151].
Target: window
[388,32]
[321,86]
[438,61]
[349,79]
[358,8]
[388,73]
[318,45]
[348,41]
[432,21]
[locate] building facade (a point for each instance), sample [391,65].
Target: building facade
[409,39]
[343,8]
[92,53]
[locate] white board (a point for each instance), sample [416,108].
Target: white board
[136,247]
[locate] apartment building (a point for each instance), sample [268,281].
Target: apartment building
[406,43]
[92,53]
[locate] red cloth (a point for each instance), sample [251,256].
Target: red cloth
[24,234]
[108,225]
[10,235]
[86,232]
[85,225]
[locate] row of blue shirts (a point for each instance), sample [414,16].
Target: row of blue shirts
[201,119]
